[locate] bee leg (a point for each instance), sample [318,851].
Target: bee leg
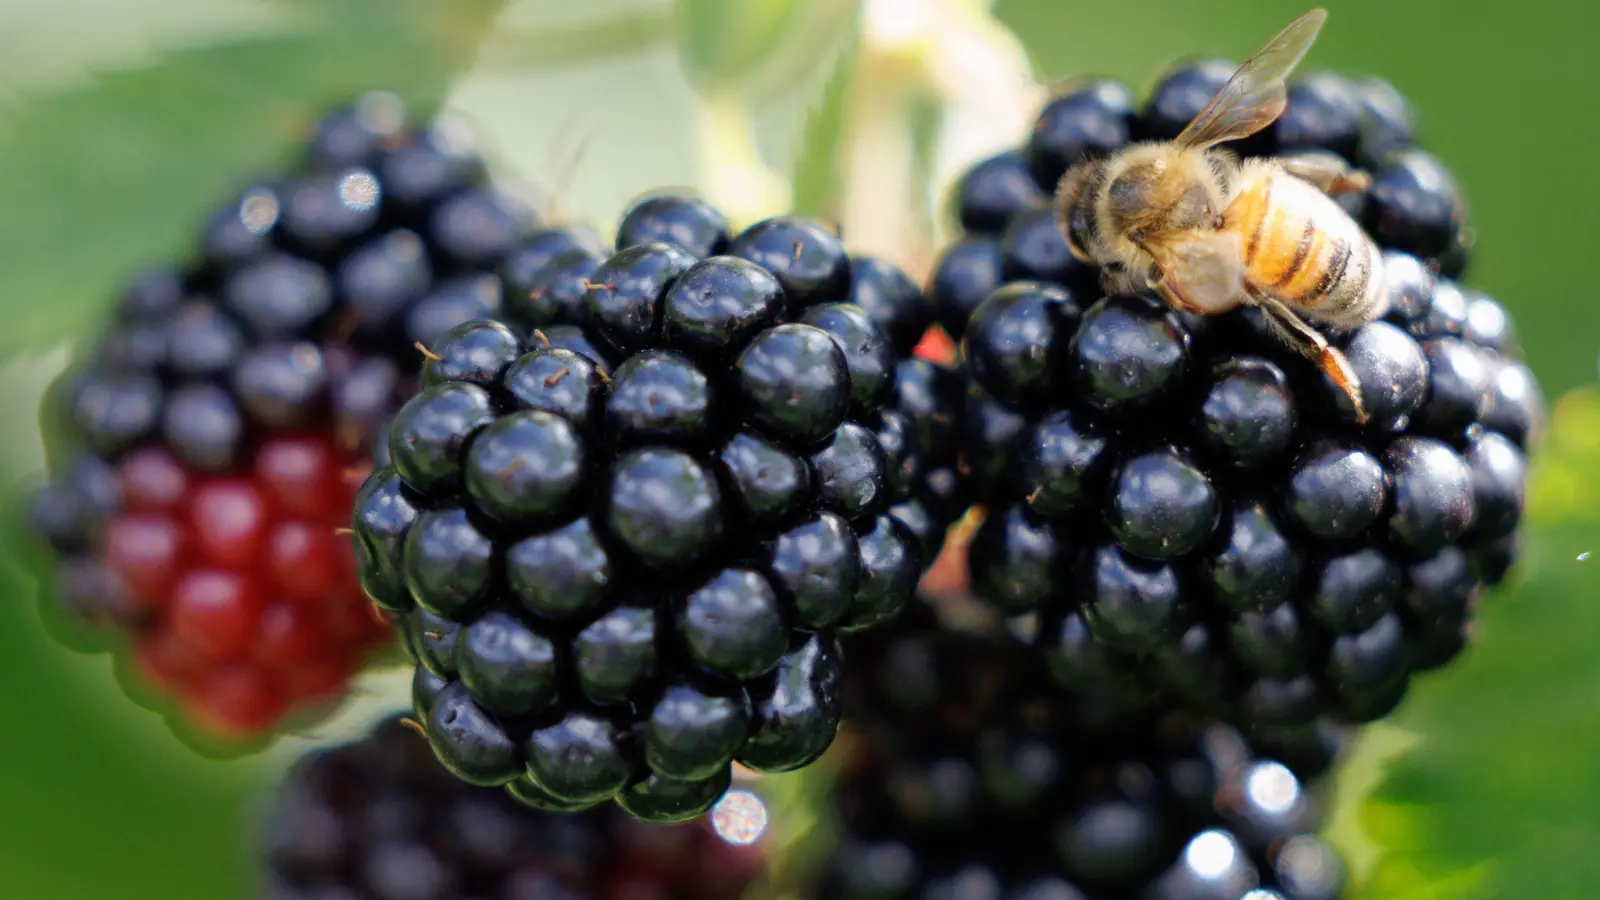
[1294,331]
[1326,172]
[1168,293]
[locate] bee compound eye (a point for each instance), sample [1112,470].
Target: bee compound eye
[1075,247]
[1080,231]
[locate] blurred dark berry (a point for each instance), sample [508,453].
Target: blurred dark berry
[238,401]
[1033,247]
[966,274]
[692,224]
[1324,113]
[1179,95]
[1414,205]
[967,781]
[994,190]
[1388,123]
[378,817]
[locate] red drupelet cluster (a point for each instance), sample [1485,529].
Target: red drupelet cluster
[253,604]
[205,450]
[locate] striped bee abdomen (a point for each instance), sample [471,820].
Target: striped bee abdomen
[1301,247]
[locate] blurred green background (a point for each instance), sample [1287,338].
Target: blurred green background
[120,120]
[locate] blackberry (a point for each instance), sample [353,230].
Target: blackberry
[688,223]
[1324,114]
[355,134]
[1414,205]
[1191,509]
[379,817]
[1179,94]
[962,779]
[968,271]
[1388,122]
[215,435]
[925,418]
[1086,122]
[628,566]
[891,299]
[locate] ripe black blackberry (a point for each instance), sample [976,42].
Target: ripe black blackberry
[962,779]
[621,557]
[380,818]
[209,444]
[1190,505]
[924,419]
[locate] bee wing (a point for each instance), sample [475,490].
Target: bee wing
[1255,95]
[1203,273]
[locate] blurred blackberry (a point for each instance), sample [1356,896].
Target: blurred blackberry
[380,818]
[622,547]
[208,446]
[1188,505]
[962,780]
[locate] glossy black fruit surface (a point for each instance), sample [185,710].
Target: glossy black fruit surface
[1085,123]
[686,222]
[892,299]
[1414,205]
[806,257]
[624,543]
[966,273]
[994,190]
[1324,114]
[1191,508]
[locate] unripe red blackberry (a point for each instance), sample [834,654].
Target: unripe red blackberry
[210,443]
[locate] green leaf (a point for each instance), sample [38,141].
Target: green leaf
[758,48]
[98,181]
[1565,483]
[724,39]
[805,830]
[627,32]
[1498,797]
[816,171]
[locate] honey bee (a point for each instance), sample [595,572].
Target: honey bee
[1209,233]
